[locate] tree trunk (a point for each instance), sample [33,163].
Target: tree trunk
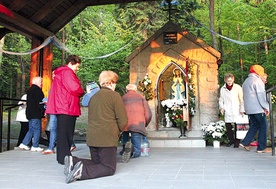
[240,53]
[19,83]
[212,23]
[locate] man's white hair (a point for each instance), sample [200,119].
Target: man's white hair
[131,87]
[36,80]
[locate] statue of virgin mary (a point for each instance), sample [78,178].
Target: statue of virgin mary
[178,86]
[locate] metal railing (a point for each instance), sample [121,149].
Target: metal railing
[9,106]
[269,99]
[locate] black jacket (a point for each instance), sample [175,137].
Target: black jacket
[34,110]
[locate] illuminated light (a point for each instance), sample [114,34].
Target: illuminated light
[153,44]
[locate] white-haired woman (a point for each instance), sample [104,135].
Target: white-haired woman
[107,118]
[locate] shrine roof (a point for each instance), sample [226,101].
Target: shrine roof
[43,18]
[170,26]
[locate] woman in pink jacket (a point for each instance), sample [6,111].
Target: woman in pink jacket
[64,101]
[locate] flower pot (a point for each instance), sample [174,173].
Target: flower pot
[216,144]
[182,131]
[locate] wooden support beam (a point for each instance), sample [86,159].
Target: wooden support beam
[24,25]
[3,32]
[43,12]
[17,5]
[62,20]
[47,68]
[35,60]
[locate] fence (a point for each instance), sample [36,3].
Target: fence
[269,99]
[9,106]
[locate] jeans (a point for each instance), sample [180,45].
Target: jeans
[34,132]
[53,131]
[257,122]
[136,142]
[136,139]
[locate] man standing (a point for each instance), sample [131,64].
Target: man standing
[139,116]
[64,101]
[34,113]
[257,107]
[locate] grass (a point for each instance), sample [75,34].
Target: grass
[80,129]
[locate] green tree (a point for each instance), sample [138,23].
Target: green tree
[14,71]
[91,39]
[247,22]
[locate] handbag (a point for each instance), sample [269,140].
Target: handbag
[242,126]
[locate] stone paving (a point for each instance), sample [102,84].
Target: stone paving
[168,168]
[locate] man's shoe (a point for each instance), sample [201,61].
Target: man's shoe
[127,153]
[68,165]
[46,152]
[75,174]
[24,147]
[264,151]
[36,149]
[245,147]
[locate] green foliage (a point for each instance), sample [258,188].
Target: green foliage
[246,21]
[101,30]
[14,67]
[93,38]
[182,15]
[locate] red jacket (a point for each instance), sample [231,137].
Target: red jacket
[65,93]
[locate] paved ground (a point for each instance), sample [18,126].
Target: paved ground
[168,168]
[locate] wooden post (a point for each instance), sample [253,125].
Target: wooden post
[35,60]
[41,65]
[47,68]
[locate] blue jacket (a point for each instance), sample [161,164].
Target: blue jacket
[254,95]
[86,98]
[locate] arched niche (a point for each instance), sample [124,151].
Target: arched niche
[164,91]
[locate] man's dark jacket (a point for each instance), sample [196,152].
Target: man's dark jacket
[34,109]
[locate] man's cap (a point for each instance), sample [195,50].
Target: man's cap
[91,85]
[257,69]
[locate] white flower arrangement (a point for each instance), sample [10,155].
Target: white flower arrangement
[174,110]
[146,80]
[170,103]
[214,131]
[146,88]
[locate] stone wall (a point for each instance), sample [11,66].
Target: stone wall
[155,57]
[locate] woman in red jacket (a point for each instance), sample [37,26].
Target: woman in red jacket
[64,101]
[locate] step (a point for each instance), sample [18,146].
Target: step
[190,142]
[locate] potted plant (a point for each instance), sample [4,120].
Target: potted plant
[214,131]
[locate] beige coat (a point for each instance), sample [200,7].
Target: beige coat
[106,119]
[232,102]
